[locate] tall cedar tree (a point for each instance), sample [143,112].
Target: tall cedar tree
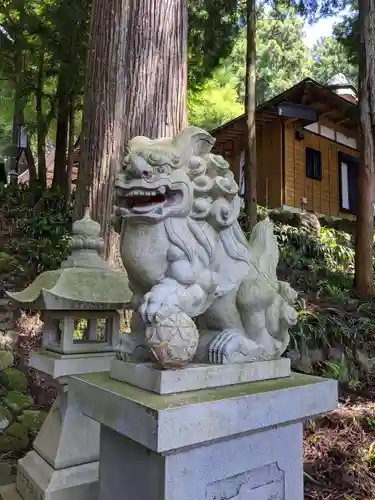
[250,166]
[365,217]
[136,84]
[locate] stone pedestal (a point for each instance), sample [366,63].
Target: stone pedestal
[237,442]
[64,462]
[196,376]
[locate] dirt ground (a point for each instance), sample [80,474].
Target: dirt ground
[339,451]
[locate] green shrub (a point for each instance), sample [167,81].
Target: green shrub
[302,249]
[39,225]
[14,380]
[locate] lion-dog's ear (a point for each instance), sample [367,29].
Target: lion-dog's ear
[193,141]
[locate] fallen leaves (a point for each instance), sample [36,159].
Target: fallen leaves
[339,451]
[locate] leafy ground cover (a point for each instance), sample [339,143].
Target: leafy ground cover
[334,337]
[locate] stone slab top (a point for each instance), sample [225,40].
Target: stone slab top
[47,354]
[168,422]
[63,365]
[196,376]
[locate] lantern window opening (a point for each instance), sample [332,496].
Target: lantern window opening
[70,332]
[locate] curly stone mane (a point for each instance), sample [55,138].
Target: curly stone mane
[216,197]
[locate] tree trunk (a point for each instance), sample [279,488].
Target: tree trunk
[19,105]
[366,196]
[60,180]
[250,166]
[70,149]
[136,85]
[31,164]
[41,133]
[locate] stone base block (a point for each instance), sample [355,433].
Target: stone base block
[196,376]
[67,438]
[261,466]
[9,492]
[36,480]
[239,442]
[64,365]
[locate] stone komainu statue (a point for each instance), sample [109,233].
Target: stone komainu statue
[183,249]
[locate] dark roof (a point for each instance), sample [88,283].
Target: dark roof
[307,92]
[341,81]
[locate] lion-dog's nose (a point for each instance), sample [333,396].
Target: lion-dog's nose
[138,167]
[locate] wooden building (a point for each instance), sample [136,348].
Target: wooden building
[307,148]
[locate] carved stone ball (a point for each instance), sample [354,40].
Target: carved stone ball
[173,341]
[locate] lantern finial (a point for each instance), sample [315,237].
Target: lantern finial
[86,244]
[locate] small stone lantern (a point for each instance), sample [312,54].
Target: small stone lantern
[81,299]
[80,303]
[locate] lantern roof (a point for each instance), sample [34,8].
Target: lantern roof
[84,280]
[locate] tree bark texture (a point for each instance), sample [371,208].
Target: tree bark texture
[20,97]
[31,164]
[366,195]
[19,106]
[60,179]
[19,100]
[250,165]
[136,85]
[41,132]
[70,149]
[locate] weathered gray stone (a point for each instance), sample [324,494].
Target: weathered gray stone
[256,466]
[62,365]
[84,288]
[67,438]
[83,282]
[170,247]
[366,362]
[9,491]
[238,442]
[310,222]
[336,353]
[36,480]
[198,416]
[64,462]
[196,376]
